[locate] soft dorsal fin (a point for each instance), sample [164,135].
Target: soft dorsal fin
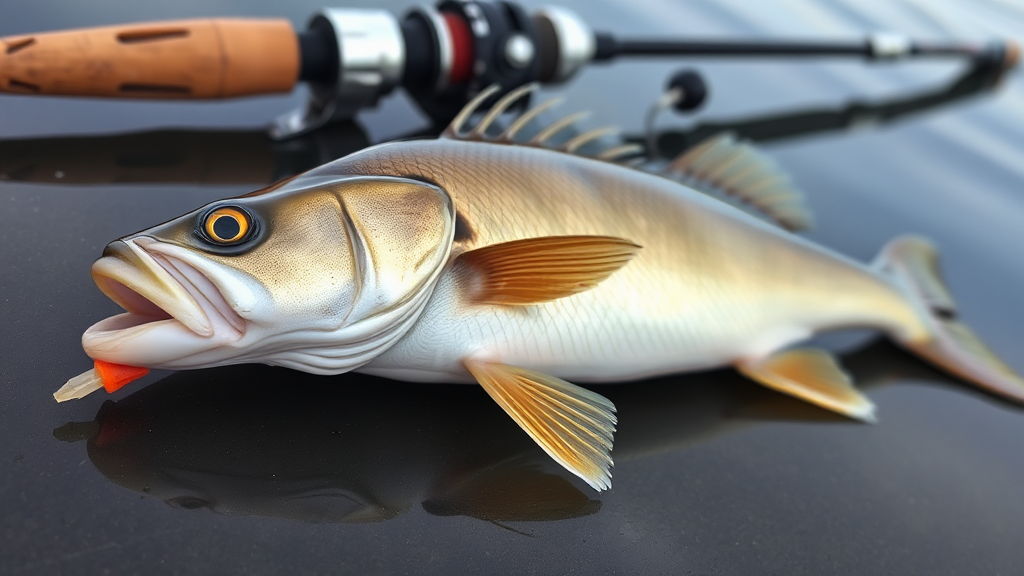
[535,270]
[735,171]
[542,139]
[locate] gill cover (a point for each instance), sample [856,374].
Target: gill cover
[399,233]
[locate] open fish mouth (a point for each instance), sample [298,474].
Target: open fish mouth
[164,298]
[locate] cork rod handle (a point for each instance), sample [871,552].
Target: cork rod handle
[185,59]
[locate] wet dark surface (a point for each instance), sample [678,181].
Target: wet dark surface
[258,470]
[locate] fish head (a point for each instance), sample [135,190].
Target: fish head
[321,273]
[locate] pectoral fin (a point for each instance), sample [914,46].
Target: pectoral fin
[811,375]
[535,270]
[573,425]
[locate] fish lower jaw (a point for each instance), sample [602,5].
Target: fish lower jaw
[140,340]
[172,308]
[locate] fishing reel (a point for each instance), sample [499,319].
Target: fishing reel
[351,58]
[442,57]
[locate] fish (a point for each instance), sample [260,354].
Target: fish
[527,267]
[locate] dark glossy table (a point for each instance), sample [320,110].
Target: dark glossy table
[256,470]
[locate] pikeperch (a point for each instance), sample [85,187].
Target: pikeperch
[476,258]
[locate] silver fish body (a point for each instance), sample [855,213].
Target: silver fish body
[472,257]
[711,284]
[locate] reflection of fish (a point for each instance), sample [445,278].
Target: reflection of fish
[231,441]
[473,258]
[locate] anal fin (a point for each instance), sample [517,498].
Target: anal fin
[811,375]
[535,270]
[573,425]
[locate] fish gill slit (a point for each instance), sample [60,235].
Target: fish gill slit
[464,231]
[358,256]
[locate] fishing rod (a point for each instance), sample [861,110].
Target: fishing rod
[350,58]
[248,157]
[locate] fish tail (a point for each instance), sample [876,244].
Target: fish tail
[913,263]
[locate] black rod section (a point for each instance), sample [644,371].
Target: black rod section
[713,48]
[609,47]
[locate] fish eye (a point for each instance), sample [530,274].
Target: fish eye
[227,225]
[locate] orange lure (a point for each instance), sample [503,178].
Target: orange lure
[107,375]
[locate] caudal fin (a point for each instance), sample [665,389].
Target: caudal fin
[950,344]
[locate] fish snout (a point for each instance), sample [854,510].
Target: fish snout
[136,281]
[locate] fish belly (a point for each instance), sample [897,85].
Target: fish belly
[581,338]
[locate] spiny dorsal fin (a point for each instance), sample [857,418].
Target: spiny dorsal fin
[733,170]
[573,425]
[535,270]
[478,133]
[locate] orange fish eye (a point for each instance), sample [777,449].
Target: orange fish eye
[226,225]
